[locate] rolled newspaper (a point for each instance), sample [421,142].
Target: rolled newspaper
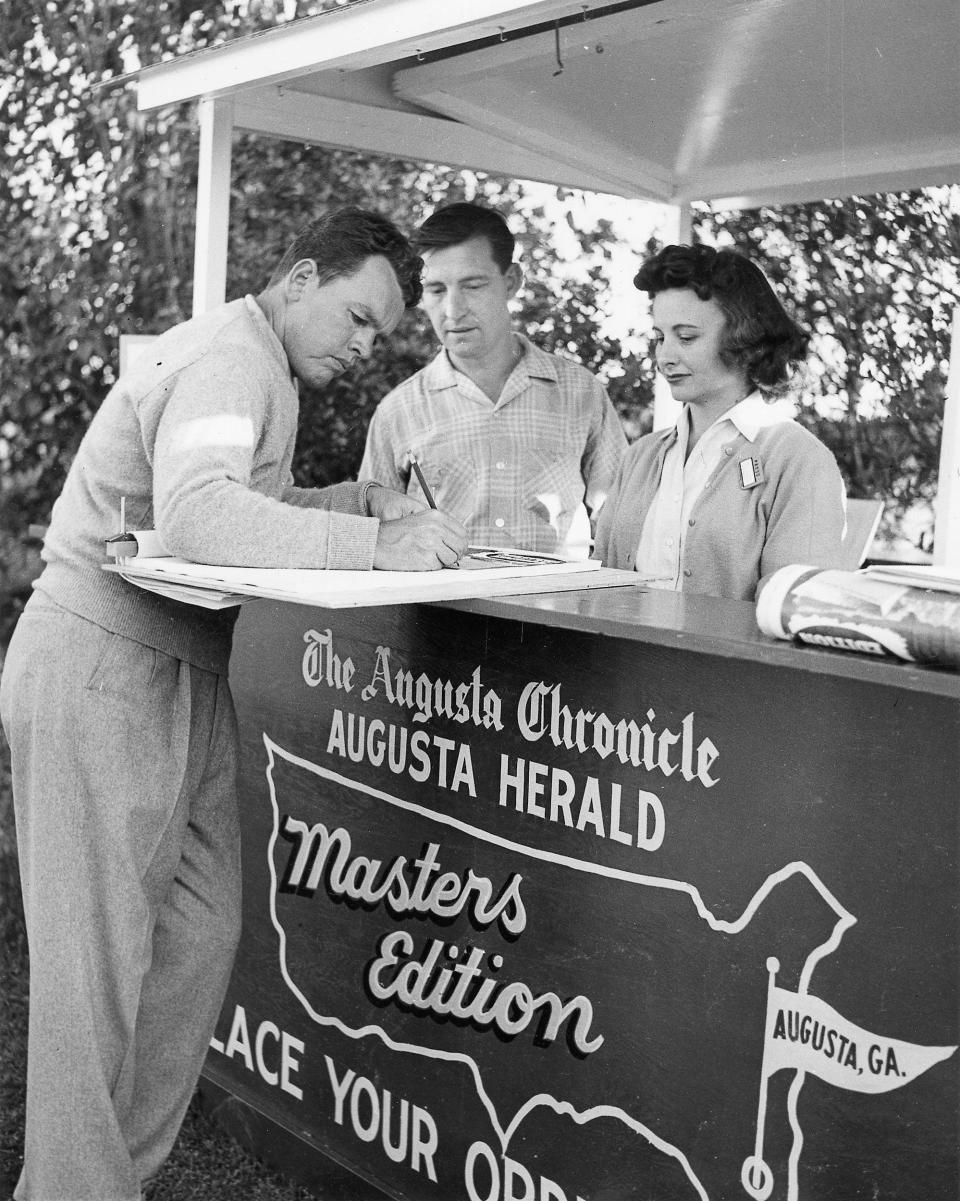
[852,611]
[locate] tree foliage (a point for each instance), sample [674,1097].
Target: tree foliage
[96,216]
[876,280]
[98,208]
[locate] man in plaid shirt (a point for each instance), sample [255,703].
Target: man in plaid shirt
[517,444]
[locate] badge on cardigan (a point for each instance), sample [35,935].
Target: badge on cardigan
[751,473]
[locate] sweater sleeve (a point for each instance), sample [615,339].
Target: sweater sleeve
[348,497]
[631,494]
[807,516]
[605,541]
[220,427]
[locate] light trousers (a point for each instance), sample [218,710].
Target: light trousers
[124,779]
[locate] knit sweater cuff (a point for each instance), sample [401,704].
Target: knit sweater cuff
[351,546]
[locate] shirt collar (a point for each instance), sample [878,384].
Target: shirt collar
[752,414]
[537,363]
[440,373]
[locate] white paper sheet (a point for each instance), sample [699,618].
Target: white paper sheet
[217,587]
[919,575]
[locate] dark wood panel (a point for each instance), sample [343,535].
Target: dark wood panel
[510,914]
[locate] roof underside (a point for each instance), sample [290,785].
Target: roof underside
[736,101]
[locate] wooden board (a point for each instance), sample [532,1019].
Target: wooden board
[219,587]
[626,913]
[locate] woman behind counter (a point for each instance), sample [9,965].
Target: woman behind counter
[736,489]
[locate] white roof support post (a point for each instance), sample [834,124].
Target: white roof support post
[946,530]
[213,204]
[678,230]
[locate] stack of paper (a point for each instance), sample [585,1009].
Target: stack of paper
[917,575]
[484,572]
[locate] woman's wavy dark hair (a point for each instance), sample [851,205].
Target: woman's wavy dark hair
[760,335]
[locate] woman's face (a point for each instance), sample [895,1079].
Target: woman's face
[688,332]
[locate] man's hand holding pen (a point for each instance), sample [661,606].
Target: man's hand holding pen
[423,541]
[413,537]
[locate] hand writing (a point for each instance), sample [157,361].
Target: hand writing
[423,541]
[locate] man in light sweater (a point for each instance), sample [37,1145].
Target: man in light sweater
[117,709]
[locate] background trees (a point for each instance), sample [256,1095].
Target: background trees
[96,208]
[876,279]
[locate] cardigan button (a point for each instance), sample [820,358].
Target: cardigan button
[687,571]
[692,521]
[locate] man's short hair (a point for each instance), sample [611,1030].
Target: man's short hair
[343,239]
[458,223]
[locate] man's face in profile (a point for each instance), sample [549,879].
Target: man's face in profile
[329,325]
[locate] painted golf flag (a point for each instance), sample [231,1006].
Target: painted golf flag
[808,1035]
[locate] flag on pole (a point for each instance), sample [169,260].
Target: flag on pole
[808,1035]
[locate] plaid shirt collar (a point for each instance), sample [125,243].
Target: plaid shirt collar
[440,373]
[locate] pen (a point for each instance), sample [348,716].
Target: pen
[426,491]
[423,483]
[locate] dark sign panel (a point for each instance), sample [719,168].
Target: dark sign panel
[536,915]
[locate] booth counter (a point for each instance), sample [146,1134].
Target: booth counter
[592,895]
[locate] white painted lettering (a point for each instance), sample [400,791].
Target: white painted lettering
[427,985]
[321,665]
[404,886]
[464,702]
[485,1182]
[406,1133]
[272,1054]
[604,811]
[541,713]
[420,755]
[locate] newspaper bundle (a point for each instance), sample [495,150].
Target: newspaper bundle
[874,614]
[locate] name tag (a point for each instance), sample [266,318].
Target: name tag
[751,473]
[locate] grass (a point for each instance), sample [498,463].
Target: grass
[206,1163]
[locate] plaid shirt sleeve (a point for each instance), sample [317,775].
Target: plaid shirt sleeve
[379,456]
[605,447]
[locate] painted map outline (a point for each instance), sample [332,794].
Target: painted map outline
[505,1131]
